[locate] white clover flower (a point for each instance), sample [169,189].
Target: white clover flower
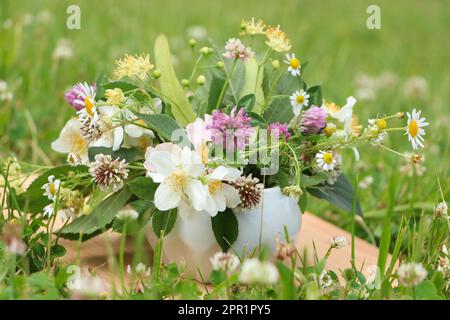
[325,279]
[416,88]
[441,210]
[411,274]
[294,64]
[326,160]
[127,214]
[366,182]
[235,49]
[339,242]
[415,130]
[51,188]
[299,99]
[63,50]
[256,272]
[225,261]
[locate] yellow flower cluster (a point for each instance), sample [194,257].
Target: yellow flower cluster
[277,40]
[253,27]
[133,66]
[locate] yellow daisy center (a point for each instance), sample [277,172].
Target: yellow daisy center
[300,99]
[294,63]
[328,158]
[214,186]
[413,128]
[89,106]
[178,180]
[382,124]
[52,188]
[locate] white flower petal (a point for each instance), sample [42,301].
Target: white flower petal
[196,192]
[166,198]
[225,173]
[161,162]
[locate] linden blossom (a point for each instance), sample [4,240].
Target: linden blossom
[206,311]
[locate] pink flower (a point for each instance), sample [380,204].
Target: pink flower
[313,120]
[236,49]
[279,129]
[198,132]
[233,128]
[76,96]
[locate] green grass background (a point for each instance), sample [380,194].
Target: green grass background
[331,35]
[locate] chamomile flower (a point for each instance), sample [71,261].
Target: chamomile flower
[326,160]
[49,210]
[51,188]
[86,98]
[414,129]
[299,99]
[294,64]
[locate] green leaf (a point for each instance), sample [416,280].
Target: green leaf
[217,277]
[254,80]
[340,194]
[127,154]
[33,199]
[58,251]
[163,125]
[143,187]
[163,222]
[214,92]
[99,219]
[123,85]
[225,227]
[426,291]
[247,102]
[142,205]
[286,282]
[170,87]
[315,93]
[257,120]
[279,110]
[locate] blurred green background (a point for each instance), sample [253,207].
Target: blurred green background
[401,66]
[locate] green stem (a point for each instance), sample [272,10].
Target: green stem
[225,85]
[122,257]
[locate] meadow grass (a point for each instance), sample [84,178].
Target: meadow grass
[331,35]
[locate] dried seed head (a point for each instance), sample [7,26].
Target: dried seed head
[107,172]
[250,191]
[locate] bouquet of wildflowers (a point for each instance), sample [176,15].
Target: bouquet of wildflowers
[144,145]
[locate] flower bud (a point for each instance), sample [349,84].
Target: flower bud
[220,64]
[275,64]
[156,73]
[201,80]
[192,42]
[185,82]
[204,51]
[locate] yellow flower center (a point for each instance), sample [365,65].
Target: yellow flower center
[203,151]
[78,143]
[178,180]
[329,130]
[214,186]
[413,128]
[328,158]
[381,123]
[52,188]
[300,99]
[294,63]
[89,106]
